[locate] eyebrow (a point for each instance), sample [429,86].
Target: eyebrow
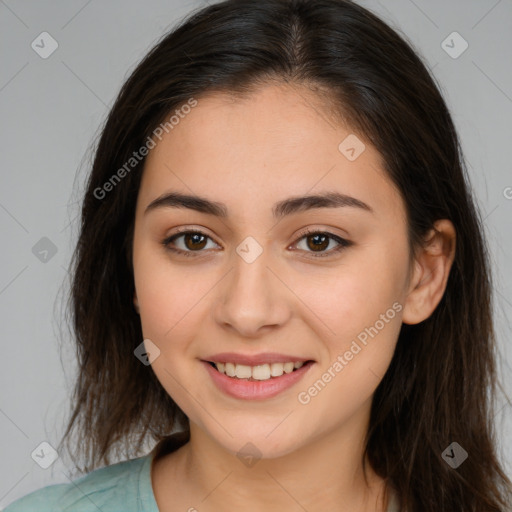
[280,209]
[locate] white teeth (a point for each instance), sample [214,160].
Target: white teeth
[276,369]
[288,367]
[230,369]
[242,371]
[259,372]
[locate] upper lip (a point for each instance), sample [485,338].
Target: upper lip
[255,359]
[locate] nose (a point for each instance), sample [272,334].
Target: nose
[253,298]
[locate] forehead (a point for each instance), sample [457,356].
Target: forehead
[278,141]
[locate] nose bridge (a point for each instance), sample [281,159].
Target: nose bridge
[251,298]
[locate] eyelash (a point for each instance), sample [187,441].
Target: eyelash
[343,243]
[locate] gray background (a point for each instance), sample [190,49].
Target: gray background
[51,110]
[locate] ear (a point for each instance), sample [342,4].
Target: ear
[136,302]
[431,270]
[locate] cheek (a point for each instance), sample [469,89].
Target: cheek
[355,295]
[165,293]
[357,309]
[356,359]
[169,301]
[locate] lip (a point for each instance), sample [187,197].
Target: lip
[256,390]
[254,359]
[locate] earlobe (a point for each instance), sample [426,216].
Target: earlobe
[432,268]
[136,303]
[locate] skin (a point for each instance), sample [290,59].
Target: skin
[249,154]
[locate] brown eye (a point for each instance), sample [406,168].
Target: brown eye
[318,241]
[192,242]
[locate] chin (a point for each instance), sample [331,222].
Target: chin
[261,443]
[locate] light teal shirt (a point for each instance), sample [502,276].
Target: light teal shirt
[122,487]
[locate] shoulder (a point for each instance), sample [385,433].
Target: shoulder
[394,500]
[109,489]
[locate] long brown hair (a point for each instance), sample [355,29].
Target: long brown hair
[441,382]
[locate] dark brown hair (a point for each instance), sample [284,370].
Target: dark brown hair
[441,383]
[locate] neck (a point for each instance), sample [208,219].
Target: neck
[331,464]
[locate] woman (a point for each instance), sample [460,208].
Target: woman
[281,277]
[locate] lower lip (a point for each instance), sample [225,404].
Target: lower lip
[256,390]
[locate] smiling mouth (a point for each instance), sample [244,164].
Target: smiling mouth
[260,372]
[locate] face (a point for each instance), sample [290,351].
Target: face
[255,282]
